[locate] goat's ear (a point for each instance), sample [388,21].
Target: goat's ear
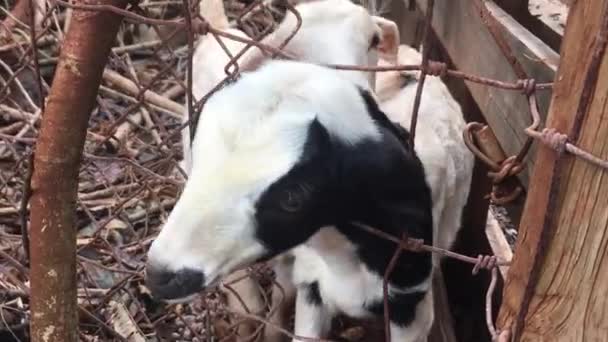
[389,39]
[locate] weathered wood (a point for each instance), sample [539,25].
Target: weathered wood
[472,49]
[561,261]
[544,27]
[498,243]
[409,21]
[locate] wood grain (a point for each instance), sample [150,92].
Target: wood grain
[569,300]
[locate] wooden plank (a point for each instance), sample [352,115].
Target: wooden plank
[410,22]
[473,50]
[550,12]
[498,243]
[524,41]
[556,287]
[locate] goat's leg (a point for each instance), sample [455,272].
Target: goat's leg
[418,329]
[283,297]
[313,319]
[246,298]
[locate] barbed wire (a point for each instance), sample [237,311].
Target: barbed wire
[153,109]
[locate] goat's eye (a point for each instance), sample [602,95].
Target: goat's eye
[374,42]
[293,199]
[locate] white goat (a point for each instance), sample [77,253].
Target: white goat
[447,161]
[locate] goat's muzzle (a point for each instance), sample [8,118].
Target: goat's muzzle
[171,285]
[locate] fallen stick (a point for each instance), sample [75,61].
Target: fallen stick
[132,89]
[16,113]
[117,94]
[111,191]
[138,46]
[122,132]
[176,90]
[123,323]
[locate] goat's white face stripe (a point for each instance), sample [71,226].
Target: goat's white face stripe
[251,134]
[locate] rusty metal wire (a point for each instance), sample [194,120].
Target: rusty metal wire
[556,140]
[128,180]
[426,48]
[489,294]
[417,245]
[500,173]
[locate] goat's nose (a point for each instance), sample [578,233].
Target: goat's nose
[165,284]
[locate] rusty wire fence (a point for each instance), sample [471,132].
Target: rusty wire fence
[130,177]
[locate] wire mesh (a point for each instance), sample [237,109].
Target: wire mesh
[130,177]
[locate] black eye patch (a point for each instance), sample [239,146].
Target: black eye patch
[375,41]
[291,209]
[294,198]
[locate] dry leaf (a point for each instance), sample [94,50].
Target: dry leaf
[123,323]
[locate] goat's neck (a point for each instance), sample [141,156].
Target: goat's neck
[395,207]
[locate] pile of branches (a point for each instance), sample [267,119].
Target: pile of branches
[129,175]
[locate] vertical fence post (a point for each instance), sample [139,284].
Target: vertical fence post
[55,178]
[557,283]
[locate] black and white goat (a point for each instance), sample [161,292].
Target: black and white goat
[334,31]
[300,155]
[284,160]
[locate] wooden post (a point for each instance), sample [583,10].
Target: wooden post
[55,178]
[556,287]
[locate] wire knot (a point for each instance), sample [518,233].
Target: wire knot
[413,245]
[509,167]
[436,68]
[200,25]
[554,139]
[486,262]
[528,86]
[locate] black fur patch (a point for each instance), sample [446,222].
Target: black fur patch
[380,117]
[313,296]
[401,308]
[281,230]
[375,41]
[379,183]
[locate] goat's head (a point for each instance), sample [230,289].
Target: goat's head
[279,154]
